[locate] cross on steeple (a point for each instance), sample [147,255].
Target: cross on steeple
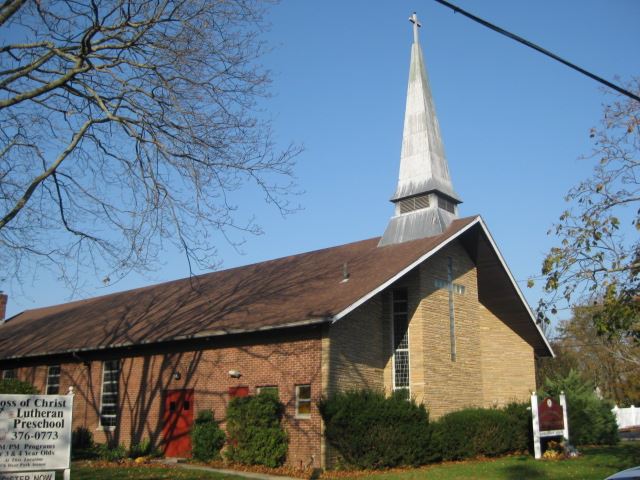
[416,24]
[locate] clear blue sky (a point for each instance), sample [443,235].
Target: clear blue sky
[514,123]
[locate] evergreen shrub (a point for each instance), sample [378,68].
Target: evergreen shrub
[521,431]
[472,432]
[370,430]
[591,421]
[82,446]
[207,438]
[255,433]
[13,386]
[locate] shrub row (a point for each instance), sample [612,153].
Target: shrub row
[83,447]
[370,430]
[474,432]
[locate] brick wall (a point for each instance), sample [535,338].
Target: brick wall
[356,349]
[508,362]
[449,384]
[143,378]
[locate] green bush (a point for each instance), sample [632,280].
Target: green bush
[473,432]
[13,386]
[521,428]
[82,446]
[110,453]
[142,449]
[81,438]
[207,439]
[591,421]
[256,436]
[370,430]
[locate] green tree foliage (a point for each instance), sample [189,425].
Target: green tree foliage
[606,361]
[255,432]
[17,387]
[597,260]
[207,438]
[370,430]
[591,421]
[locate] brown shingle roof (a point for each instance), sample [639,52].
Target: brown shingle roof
[272,294]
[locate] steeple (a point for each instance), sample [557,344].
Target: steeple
[425,202]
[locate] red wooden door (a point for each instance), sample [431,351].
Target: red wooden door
[176,422]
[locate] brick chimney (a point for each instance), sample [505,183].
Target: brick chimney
[3,305]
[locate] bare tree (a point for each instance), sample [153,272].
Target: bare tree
[597,260]
[125,124]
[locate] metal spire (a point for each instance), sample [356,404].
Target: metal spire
[425,200]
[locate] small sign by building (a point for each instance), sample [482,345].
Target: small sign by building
[549,419]
[35,434]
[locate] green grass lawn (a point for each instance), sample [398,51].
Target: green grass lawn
[596,463]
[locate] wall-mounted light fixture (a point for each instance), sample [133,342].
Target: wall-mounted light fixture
[177,376]
[234,374]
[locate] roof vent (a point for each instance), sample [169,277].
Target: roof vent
[345,272]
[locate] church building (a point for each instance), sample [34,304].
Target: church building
[429,308]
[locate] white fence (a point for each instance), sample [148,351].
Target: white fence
[627,417]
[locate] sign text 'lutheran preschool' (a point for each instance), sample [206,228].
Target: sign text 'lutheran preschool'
[35,432]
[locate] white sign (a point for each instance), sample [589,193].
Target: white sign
[535,418]
[35,434]
[28,476]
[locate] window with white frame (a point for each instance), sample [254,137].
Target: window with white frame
[9,374]
[303,401]
[400,335]
[53,380]
[109,397]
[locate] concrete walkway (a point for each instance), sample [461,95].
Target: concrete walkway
[253,475]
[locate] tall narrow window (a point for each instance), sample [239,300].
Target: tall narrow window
[109,399]
[400,336]
[303,401]
[53,380]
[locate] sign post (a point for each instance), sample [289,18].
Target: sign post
[35,435]
[549,420]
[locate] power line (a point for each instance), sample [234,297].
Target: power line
[529,44]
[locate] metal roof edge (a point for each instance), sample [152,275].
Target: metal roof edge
[199,335]
[402,272]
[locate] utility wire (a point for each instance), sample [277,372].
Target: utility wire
[529,44]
